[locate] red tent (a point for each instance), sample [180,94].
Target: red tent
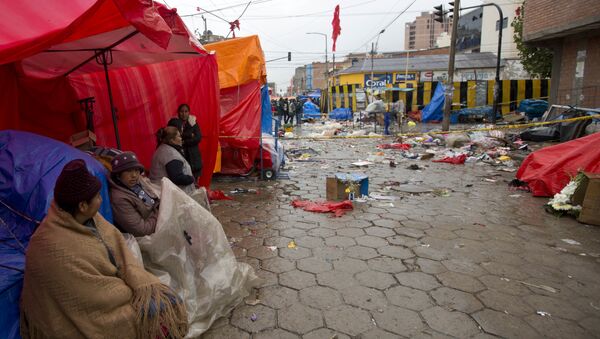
[242,73]
[57,58]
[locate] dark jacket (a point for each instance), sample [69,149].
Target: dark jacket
[191,135]
[130,213]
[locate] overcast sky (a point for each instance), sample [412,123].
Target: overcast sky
[282,26]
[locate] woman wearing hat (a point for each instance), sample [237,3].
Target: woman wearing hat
[135,206]
[82,281]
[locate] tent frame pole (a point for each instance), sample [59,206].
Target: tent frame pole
[103,59]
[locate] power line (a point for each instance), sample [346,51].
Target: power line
[222,8]
[239,17]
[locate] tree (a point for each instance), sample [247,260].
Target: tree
[537,61]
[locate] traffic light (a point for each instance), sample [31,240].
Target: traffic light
[439,13]
[289,56]
[451,10]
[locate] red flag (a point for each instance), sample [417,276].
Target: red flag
[336,25]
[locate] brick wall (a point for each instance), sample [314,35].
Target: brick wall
[543,17]
[583,92]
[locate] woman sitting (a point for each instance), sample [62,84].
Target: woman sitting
[168,160]
[135,206]
[81,280]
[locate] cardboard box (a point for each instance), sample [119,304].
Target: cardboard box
[587,195]
[83,140]
[336,186]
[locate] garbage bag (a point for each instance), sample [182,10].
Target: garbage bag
[533,108]
[190,252]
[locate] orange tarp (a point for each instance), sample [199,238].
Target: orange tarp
[240,60]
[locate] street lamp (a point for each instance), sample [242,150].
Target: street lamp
[326,62]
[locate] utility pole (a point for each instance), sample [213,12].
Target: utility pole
[372,55]
[205,34]
[450,85]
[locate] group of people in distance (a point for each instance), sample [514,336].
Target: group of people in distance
[288,109]
[81,280]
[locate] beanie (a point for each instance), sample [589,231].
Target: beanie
[75,184]
[125,161]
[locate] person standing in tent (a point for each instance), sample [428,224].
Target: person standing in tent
[82,281]
[190,133]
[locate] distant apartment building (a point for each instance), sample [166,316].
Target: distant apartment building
[423,32]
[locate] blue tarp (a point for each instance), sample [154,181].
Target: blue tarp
[533,108]
[311,110]
[435,110]
[29,167]
[267,115]
[341,114]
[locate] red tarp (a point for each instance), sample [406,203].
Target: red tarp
[550,169]
[456,160]
[240,127]
[40,94]
[404,147]
[337,208]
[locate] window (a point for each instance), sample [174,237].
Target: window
[504,23]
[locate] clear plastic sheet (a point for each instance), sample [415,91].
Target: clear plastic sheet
[190,252]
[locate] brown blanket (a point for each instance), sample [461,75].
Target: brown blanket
[73,290]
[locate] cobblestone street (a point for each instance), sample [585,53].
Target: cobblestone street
[478,261]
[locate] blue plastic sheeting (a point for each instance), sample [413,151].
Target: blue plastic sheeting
[341,114]
[466,113]
[267,115]
[311,110]
[29,167]
[533,108]
[435,110]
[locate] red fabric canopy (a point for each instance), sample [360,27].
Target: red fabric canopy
[550,169]
[48,64]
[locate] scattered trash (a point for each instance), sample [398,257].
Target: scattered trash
[542,287]
[543,314]
[392,163]
[253,317]
[571,242]
[455,160]
[338,208]
[441,192]
[414,167]
[504,158]
[411,124]
[478,224]
[400,146]
[292,245]
[426,156]
[253,302]
[489,180]
[362,163]
[504,279]
[515,195]
[217,195]
[594,306]
[243,190]
[378,196]
[272,248]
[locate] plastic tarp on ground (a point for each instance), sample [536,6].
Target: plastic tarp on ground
[341,114]
[29,167]
[48,65]
[533,108]
[435,110]
[550,169]
[310,110]
[201,265]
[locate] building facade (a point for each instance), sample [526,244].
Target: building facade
[572,30]
[423,32]
[491,25]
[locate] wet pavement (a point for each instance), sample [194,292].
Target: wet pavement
[468,259]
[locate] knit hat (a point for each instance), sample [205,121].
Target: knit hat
[75,184]
[125,161]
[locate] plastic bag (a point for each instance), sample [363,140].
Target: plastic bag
[190,252]
[456,160]
[217,195]
[338,208]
